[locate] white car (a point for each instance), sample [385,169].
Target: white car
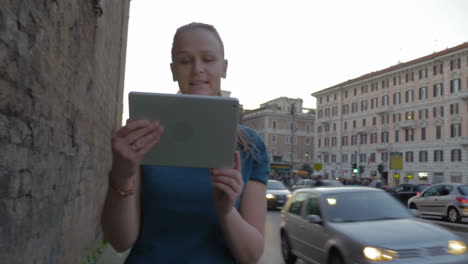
[351,225]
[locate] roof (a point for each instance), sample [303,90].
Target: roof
[342,189]
[398,66]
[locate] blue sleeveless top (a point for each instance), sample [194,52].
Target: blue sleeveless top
[179,223]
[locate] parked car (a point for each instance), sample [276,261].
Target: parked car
[309,183]
[348,225]
[277,194]
[447,200]
[405,191]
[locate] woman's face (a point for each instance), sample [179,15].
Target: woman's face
[198,62]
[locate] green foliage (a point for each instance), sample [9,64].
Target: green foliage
[306,167]
[94,255]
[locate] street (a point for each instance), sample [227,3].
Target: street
[272,252]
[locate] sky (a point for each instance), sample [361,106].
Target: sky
[291,48]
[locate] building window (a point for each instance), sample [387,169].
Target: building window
[344,158]
[409,96]
[455,85]
[438,132]
[423,93]
[373,138]
[320,143]
[334,126]
[274,122]
[354,123]
[353,157]
[307,141]
[396,98]
[374,103]
[409,135]
[455,130]
[422,156]
[355,92]
[335,111]
[333,142]
[364,122]
[397,136]
[423,133]
[384,156]
[438,155]
[384,137]
[345,109]
[354,107]
[385,100]
[273,138]
[344,140]
[374,121]
[346,94]
[363,139]
[354,140]
[438,90]
[364,105]
[372,157]
[345,125]
[409,156]
[333,158]
[308,128]
[292,140]
[456,155]
[363,157]
[455,177]
[319,129]
[454,109]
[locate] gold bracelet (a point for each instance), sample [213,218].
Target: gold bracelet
[124,193]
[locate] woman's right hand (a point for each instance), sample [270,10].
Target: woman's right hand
[130,143]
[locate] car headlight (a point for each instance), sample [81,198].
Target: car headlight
[270,196]
[288,195]
[456,247]
[379,254]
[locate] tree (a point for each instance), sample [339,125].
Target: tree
[306,167]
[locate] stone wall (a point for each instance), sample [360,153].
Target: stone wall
[61,86]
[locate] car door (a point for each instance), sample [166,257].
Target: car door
[294,220]
[441,201]
[426,202]
[315,235]
[397,192]
[407,193]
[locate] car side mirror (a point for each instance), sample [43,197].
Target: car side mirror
[314,219]
[415,212]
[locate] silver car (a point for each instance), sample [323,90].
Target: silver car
[277,194]
[447,200]
[351,225]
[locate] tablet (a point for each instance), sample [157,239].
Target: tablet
[200,131]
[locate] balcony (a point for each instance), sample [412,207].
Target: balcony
[407,124]
[384,110]
[361,130]
[463,141]
[464,95]
[383,146]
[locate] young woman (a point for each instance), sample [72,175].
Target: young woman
[187,215]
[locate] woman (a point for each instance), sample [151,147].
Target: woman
[187,215]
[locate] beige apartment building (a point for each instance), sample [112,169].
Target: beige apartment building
[418,108]
[288,131]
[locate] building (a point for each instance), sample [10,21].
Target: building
[288,131]
[418,109]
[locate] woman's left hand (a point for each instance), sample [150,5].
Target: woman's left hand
[227,186]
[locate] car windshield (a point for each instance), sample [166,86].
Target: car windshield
[423,187]
[463,189]
[363,206]
[275,185]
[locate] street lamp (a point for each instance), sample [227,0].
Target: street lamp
[293,128]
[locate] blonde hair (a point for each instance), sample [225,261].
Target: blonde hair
[243,141]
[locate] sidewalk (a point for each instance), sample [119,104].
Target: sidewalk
[110,256]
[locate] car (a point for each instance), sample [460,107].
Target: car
[309,183]
[277,194]
[405,191]
[349,225]
[446,200]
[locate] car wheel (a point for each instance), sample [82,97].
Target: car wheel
[288,256]
[413,206]
[336,258]
[453,215]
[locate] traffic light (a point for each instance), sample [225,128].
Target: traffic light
[380,168]
[354,168]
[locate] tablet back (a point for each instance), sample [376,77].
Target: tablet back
[200,131]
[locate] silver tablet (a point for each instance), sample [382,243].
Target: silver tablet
[200,131]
